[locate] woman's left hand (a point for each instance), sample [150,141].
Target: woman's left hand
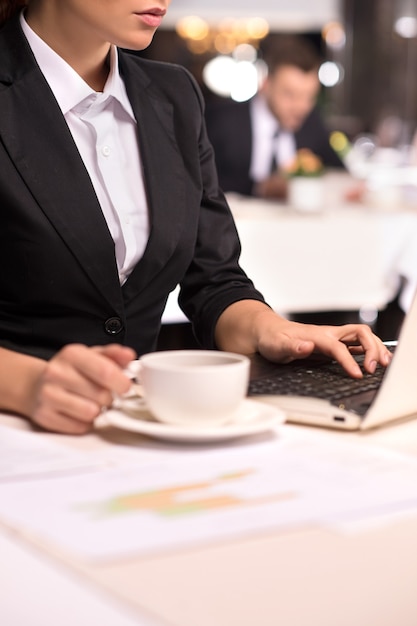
[249,326]
[296,341]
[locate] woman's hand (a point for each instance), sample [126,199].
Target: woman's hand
[297,341]
[249,326]
[76,384]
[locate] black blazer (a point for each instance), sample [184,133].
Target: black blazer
[58,274]
[230,131]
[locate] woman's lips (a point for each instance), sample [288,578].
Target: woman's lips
[152,18]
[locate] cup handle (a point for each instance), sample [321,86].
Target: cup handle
[134,397]
[132,371]
[132,400]
[133,403]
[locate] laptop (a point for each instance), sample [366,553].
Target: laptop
[317,391]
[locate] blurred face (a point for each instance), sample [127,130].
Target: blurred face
[291,94]
[126,23]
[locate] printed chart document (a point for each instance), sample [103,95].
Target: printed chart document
[206,496]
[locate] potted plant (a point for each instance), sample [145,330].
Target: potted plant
[305,184]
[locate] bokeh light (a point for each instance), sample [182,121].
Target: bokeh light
[192,27]
[334,35]
[231,78]
[331,74]
[406,27]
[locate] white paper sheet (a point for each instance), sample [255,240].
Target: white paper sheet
[29,455]
[210,496]
[36,591]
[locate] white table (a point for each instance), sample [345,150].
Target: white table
[349,256]
[303,576]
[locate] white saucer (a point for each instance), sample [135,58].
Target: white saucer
[254,417]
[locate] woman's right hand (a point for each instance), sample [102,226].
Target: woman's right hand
[75,385]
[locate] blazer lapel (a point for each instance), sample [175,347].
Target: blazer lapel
[164,175]
[39,142]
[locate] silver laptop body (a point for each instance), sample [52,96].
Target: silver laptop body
[392,397]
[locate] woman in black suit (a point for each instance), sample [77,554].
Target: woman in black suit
[109,199]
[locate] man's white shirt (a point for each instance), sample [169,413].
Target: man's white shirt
[268,141]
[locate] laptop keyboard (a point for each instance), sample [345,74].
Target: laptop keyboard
[327,381]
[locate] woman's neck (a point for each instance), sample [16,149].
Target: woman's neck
[89,58]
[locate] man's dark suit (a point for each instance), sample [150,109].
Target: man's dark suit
[230,131]
[58,274]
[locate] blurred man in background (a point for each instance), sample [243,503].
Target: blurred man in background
[256,141]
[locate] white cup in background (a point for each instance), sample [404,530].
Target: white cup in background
[306,193]
[194,387]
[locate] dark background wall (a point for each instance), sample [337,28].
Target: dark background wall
[380,68]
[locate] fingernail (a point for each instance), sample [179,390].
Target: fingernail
[358,371]
[303,346]
[388,357]
[372,366]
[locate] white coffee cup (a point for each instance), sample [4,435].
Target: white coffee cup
[194,388]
